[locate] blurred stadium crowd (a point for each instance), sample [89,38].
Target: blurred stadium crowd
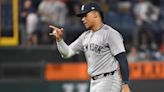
[141,22]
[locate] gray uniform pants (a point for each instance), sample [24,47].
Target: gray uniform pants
[110,83]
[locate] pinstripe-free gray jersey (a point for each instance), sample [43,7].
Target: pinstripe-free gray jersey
[100,47]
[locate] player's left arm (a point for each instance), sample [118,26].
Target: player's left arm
[117,48]
[122,59]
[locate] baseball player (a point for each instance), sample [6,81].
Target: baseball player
[104,51]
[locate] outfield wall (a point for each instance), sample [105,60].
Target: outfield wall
[72,77]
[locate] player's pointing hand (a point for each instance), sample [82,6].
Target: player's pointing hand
[57,32]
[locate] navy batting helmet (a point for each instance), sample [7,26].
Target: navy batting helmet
[91,6]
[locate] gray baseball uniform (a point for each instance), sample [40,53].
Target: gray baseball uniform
[100,47]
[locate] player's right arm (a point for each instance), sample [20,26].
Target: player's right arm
[63,48]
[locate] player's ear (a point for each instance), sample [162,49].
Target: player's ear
[95,14]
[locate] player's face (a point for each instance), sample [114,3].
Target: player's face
[87,20]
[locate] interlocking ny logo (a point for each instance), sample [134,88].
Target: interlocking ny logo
[82,8]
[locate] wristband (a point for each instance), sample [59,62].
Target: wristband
[125,82]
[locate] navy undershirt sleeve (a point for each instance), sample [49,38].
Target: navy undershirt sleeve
[122,59]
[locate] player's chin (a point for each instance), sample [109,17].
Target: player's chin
[86,26]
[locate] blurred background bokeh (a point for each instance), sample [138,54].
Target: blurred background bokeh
[30,61]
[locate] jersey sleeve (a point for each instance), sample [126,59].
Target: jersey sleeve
[115,42]
[77,45]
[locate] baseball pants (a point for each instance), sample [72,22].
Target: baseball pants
[110,83]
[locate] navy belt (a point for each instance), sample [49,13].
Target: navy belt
[102,75]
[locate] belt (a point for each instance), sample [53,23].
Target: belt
[102,75]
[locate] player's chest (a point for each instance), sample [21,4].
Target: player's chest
[94,42]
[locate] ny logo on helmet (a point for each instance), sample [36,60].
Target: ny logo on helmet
[82,8]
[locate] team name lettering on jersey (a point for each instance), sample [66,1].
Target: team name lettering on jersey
[93,47]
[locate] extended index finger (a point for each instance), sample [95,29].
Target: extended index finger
[53,27]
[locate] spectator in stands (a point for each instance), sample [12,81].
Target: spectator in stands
[146,14]
[51,12]
[45,10]
[31,20]
[133,55]
[60,13]
[145,11]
